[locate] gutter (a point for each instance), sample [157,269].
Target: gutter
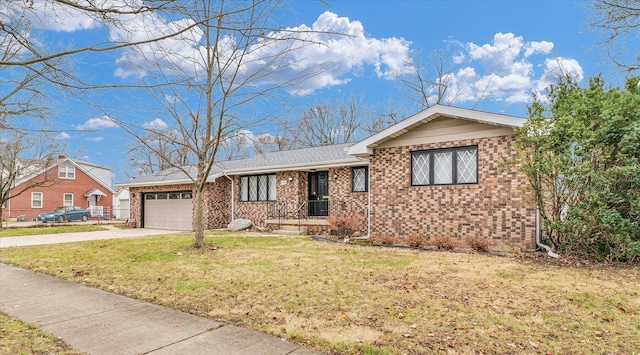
[233,189]
[538,243]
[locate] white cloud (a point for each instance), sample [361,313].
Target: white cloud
[62,136]
[51,15]
[155,124]
[98,122]
[317,49]
[505,70]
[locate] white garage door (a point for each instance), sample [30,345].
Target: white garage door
[168,210]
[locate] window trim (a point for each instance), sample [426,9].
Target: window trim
[64,200]
[64,172]
[256,179]
[454,165]
[366,178]
[41,199]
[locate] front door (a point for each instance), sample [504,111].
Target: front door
[319,193]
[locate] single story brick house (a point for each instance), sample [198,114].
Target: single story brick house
[440,172]
[63,182]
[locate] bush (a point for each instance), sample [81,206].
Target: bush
[415,240]
[478,244]
[445,243]
[344,225]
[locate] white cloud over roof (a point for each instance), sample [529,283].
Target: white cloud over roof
[505,70]
[98,122]
[333,47]
[155,124]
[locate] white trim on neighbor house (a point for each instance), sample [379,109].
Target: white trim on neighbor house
[66,202]
[41,199]
[365,147]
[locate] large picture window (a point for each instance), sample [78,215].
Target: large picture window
[359,179]
[258,188]
[445,166]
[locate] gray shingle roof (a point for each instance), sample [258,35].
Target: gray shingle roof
[295,158]
[304,158]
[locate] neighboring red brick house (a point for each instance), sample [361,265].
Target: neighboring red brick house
[437,173]
[69,182]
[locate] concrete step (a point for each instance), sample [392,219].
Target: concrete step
[293,228]
[292,231]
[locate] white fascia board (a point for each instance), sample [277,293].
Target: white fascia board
[211,178]
[365,147]
[296,167]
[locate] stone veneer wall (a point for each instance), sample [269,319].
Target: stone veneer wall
[495,209]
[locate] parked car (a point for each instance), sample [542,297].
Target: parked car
[65,214]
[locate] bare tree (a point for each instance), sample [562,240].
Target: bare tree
[158,153]
[383,118]
[329,123]
[208,88]
[428,83]
[619,20]
[19,174]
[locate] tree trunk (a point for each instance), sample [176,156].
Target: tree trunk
[199,228]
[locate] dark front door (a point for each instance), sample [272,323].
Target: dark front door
[319,193]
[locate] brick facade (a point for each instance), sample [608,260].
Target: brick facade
[53,195]
[495,208]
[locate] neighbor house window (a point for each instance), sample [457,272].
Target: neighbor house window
[359,179]
[258,188]
[445,166]
[67,200]
[36,200]
[67,172]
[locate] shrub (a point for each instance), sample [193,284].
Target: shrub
[478,244]
[445,243]
[415,240]
[344,225]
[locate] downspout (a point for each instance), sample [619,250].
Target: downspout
[232,195]
[538,243]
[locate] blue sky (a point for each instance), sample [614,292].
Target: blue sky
[502,50]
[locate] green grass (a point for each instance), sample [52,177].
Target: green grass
[23,338]
[365,300]
[48,229]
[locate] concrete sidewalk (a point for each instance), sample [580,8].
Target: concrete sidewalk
[111,233]
[99,322]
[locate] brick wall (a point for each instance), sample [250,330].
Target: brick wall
[494,209]
[344,202]
[53,195]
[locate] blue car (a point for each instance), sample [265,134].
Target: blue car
[65,214]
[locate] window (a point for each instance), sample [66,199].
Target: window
[445,166]
[359,179]
[36,200]
[67,172]
[258,188]
[67,200]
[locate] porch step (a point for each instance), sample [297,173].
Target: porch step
[292,230]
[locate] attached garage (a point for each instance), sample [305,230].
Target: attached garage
[168,210]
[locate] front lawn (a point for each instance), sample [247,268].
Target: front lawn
[49,229]
[357,299]
[21,338]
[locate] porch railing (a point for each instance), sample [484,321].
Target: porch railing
[277,209]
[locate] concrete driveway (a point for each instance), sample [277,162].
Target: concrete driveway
[111,233]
